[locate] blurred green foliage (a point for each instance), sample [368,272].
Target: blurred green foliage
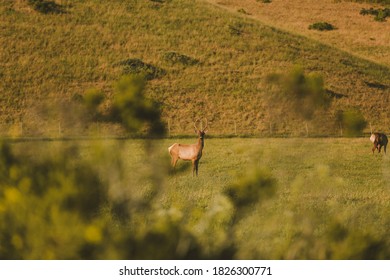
[48,208]
[256,185]
[303,94]
[64,207]
[60,205]
[324,230]
[128,107]
[133,110]
[353,122]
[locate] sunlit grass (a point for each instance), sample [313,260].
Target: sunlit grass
[320,181]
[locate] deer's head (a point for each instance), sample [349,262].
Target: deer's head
[202,131]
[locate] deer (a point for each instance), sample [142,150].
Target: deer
[379,140]
[191,153]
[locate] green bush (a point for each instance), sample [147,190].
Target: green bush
[46,7]
[174,57]
[138,67]
[379,14]
[322,26]
[243,11]
[236,29]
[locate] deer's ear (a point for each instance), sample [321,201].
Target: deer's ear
[205,131]
[196,131]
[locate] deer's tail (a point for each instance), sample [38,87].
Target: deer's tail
[171,147]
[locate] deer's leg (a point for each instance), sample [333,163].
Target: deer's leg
[384,148]
[193,167]
[196,166]
[375,147]
[174,161]
[379,148]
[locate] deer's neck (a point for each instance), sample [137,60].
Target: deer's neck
[200,143]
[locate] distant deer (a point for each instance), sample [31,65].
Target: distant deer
[189,152]
[379,140]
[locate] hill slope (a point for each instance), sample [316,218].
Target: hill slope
[359,34]
[49,58]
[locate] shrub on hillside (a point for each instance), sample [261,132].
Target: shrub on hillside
[243,11]
[174,57]
[46,7]
[137,66]
[236,29]
[379,14]
[322,26]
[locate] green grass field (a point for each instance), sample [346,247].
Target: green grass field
[326,188]
[318,180]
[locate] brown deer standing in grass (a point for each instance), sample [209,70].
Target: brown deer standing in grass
[189,152]
[379,140]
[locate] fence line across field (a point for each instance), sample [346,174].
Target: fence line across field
[174,128]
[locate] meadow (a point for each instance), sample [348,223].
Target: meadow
[319,182]
[331,198]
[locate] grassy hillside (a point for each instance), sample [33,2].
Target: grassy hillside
[353,32]
[212,64]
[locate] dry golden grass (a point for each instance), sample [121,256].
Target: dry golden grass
[360,35]
[46,60]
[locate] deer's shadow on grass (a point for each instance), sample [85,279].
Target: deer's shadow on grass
[181,167]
